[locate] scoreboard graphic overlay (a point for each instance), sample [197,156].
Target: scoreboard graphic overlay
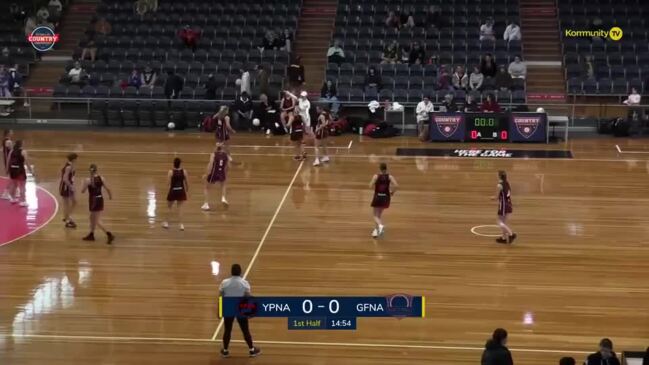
[488,127]
[323,313]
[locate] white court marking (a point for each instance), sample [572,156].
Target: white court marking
[263,238]
[474,230]
[619,150]
[288,343]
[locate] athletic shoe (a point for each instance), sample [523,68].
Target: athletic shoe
[501,240]
[381,230]
[512,238]
[256,351]
[224,202]
[375,233]
[165,225]
[230,158]
[316,162]
[89,237]
[205,207]
[182,227]
[325,159]
[297,158]
[23,204]
[268,132]
[70,224]
[6,196]
[13,201]
[111,238]
[225,353]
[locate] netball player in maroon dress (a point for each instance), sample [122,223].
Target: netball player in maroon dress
[384,185]
[287,106]
[505,208]
[321,134]
[95,185]
[223,128]
[216,173]
[296,129]
[66,190]
[7,145]
[17,173]
[178,189]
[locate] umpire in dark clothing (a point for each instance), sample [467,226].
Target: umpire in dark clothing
[236,286]
[173,85]
[605,355]
[496,351]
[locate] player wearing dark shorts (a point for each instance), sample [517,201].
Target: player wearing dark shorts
[296,128]
[321,134]
[216,173]
[17,173]
[505,208]
[66,190]
[95,185]
[223,128]
[178,189]
[7,145]
[384,185]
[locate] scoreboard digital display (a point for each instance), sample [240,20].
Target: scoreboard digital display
[324,313]
[488,127]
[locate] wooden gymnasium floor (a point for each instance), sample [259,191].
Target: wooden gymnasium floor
[578,271]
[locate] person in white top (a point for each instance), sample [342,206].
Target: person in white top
[512,32]
[487,31]
[245,81]
[423,109]
[76,73]
[236,286]
[303,108]
[633,98]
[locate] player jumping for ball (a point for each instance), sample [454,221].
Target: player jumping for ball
[384,185]
[504,197]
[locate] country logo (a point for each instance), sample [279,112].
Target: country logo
[526,126]
[447,125]
[43,38]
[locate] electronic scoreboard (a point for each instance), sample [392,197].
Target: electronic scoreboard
[488,127]
[323,313]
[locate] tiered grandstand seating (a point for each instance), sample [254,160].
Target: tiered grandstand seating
[361,28]
[12,36]
[230,35]
[618,65]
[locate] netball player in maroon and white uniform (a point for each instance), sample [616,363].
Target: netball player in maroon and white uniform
[178,189]
[287,106]
[223,128]
[216,173]
[7,145]
[505,208]
[17,173]
[384,185]
[66,190]
[321,134]
[95,185]
[296,133]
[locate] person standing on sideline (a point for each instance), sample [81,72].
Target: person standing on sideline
[504,196]
[66,190]
[384,185]
[424,108]
[605,355]
[236,286]
[496,351]
[7,145]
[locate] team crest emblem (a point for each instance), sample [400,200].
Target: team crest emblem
[43,38]
[527,125]
[447,125]
[399,305]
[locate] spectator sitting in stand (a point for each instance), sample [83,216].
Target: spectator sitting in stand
[460,79]
[393,21]
[512,32]
[588,68]
[267,114]
[135,79]
[373,80]
[329,94]
[335,53]
[15,80]
[295,73]
[404,55]
[407,18]
[210,87]
[245,81]
[517,68]
[503,80]
[417,55]
[286,40]
[42,15]
[103,27]
[488,66]
[77,75]
[141,8]
[449,105]
[633,99]
[173,85]
[270,41]
[444,78]
[391,53]
[476,79]
[56,9]
[6,58]
[243,106]
[189,37]
[605,355]
[148,77]
[471,105]
[89,50]
[490,105]
[487,31]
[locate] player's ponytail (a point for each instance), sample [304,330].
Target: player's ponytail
[72,156]
[502,175]
[177,162]
[18,145]
[383,167]
[6,133]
